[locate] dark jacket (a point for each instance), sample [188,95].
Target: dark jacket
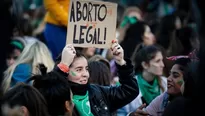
[105,100]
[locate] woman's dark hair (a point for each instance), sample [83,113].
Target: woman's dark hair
[133,37]
[190,80]
[26,95]
[186,35]
[146,54]
[99,73]
[183,63]
[165,32]
[55,89]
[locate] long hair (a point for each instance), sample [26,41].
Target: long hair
[133,37]
[33,54]
[99,73]
[26,95]
[55,89]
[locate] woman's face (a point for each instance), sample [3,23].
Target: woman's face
[155,65]
[79,71]
[11,59]
[148,38]
[175,80]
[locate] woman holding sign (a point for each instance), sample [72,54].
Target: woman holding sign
[95,100]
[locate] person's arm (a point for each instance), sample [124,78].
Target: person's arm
[67,57]
[119,96]
[57,11]
[154,107]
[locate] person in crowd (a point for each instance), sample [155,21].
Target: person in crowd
[167,39]
[87,52]
[16,46]
[26,65]
[100,58]
[130,16]
[56,19]
[189,40]
[8,24]
[138,34]
[148,72]
[27,99]
[56,91]
[174,83]
[91,99]
[99,73]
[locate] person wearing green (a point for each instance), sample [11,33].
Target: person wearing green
[149,69]
[92,99]
[82,104]
[149,91]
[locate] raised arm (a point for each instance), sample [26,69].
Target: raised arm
[121,95]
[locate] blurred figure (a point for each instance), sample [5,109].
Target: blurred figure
[189,40]
[99,73]
[15,48]
[87,52]
[148,72]
[7,23]
[27,98]
[138,33]
[56,25]
[56,91]
[167,39]
[130,16]
[101,59]
[166,35]
[34,53]
[137,36]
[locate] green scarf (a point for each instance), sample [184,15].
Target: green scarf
[128,20]
[149,92]
[82,104]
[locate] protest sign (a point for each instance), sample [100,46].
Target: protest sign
[91,23]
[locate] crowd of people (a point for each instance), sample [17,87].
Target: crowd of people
[154,66]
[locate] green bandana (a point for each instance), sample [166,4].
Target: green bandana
[149,92]
[17,44]
[82,104]
[128,20]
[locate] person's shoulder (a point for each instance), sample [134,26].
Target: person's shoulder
[164,79]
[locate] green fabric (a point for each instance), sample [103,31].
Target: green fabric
[128,20]
[166,8]
[27,4]
[82,104]
[17,44]
[149,92]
